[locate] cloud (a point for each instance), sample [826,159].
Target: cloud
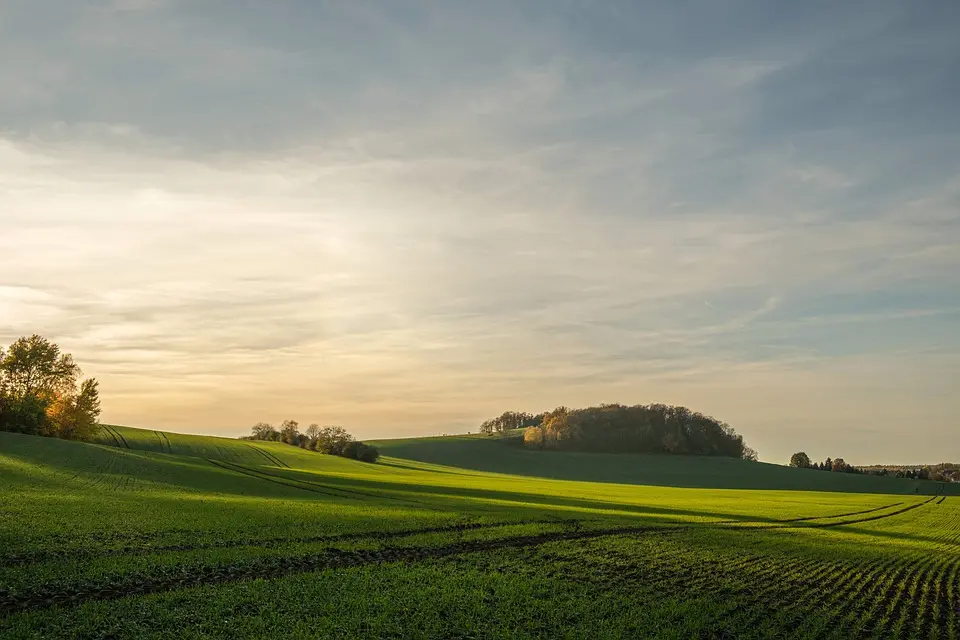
[407,218]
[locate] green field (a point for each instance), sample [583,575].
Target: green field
[152,534]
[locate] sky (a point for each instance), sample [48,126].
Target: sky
[406,217]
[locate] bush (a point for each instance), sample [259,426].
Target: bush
[360,451]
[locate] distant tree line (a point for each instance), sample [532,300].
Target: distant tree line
[801,460]
[652,428]
[945,472]
[41,392]
[331,440]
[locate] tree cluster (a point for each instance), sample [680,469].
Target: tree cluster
[509,420]
[941,472]
[331,440]
[653,428]
[801,460]
[41,392]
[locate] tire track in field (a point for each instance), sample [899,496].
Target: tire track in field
[42,555]
[322,488]
[263,454]
[827,525]
[844,515]
[182,577]
[117,435]
[266,543]
[231,466]
[112,436]
[164,440]
[185,577]
[274,460]
[316,487]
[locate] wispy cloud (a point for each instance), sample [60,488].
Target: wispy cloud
[405,219]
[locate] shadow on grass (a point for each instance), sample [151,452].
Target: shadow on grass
[473,499]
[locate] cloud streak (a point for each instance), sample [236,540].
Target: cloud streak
[413,218]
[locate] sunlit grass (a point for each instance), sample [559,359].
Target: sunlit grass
[409,548]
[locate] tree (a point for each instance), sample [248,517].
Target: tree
[289,431]
[800,460]
[74,416]
[35,366]
[39,393]
[262,431]
[360,451]
[24,415]
[332,440]
[313,431]
[533,437]
[838,465]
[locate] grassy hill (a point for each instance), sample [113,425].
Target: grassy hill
[230,449]
[504,455]
[152,534]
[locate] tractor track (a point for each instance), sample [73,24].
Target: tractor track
[117,435]
[316,487]
[825,525]
[164,440]
[268,568]
[236,468]
[274,460]
[180,577]
[265,543]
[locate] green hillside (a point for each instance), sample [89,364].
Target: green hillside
[230,449]
[160,535]
[505,455]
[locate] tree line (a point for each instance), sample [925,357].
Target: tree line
[41,392]
[652,428]
[944,472]
[332,440]
[510,420]
[801,460]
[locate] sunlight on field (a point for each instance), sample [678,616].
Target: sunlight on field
[94,529]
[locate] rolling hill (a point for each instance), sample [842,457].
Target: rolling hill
[504,455]
[153,534]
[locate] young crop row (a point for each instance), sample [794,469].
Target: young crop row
[169,570]
[709,582]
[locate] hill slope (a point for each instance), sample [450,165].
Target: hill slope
[229,449]
[129,541]
[504,455]
[492,454]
